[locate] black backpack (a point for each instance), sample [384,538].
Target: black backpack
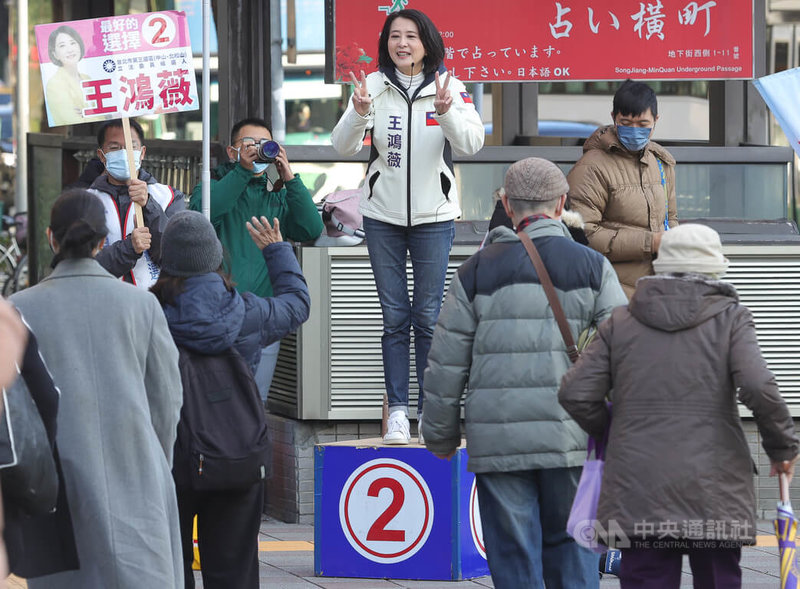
[222,441]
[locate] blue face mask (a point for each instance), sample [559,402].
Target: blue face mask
[258,167]
[117,163]
[634,138]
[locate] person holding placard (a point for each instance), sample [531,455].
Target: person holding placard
[132,253]
[410,199]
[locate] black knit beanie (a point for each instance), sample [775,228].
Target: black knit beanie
[190,246]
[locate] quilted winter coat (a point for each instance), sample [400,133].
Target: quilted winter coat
[497,336]
[622,200]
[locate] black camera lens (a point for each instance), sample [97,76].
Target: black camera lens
[267,151]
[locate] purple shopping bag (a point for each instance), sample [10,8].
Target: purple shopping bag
[582,523]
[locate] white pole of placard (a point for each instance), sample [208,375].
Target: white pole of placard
[206,109]
[126,131]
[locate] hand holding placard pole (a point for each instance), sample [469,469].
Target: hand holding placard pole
[126,130]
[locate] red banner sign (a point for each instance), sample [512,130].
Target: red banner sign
[524,41]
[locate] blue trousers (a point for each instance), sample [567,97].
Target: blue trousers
[524,517]
[428,246]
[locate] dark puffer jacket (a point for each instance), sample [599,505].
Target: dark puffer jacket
[119,258]
[678,357]
[207,318]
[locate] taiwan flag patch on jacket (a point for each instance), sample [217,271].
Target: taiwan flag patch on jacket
[430,121]
[466,97]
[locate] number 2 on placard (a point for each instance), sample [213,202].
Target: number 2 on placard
[157,38]
[378,531]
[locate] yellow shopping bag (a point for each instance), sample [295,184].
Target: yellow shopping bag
[196,561]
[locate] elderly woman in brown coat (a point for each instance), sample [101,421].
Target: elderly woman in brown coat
[678,475]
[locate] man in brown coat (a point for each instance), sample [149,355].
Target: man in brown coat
[624,186]
[678,473]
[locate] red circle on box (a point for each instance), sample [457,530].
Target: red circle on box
[422,492]
[474,519]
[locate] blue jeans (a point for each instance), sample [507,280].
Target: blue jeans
[524,516]
[429,247]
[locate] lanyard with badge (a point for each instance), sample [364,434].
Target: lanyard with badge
[666,195]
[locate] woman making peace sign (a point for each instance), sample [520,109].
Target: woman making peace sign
[417,116]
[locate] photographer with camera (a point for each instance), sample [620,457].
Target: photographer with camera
[131,253]
[240,190]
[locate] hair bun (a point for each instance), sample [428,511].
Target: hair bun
[79,233]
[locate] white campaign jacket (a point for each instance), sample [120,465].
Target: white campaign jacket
[410,178]
[146,271]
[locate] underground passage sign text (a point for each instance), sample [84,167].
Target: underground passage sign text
[524,41]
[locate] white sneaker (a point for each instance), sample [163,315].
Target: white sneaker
[397,431]
[419,430]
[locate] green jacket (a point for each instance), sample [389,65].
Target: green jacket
[236,196]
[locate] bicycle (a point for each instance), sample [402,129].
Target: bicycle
[19,280]
[13,259]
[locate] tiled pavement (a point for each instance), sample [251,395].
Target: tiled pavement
[290,570]
[287,562]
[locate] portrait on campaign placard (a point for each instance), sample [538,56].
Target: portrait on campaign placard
[65,99]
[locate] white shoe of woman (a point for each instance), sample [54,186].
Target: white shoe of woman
[397,431]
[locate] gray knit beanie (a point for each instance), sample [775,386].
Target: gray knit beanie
[535,179]
[189,245]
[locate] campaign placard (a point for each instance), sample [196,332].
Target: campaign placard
[116,66]
[565,40]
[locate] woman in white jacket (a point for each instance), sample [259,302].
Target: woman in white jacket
[417,116]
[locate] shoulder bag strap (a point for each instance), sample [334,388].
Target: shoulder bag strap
[552,298]
[666,194]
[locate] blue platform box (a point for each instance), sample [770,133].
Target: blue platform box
[395,512]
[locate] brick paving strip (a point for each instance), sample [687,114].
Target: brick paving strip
[288,546]
[767,541]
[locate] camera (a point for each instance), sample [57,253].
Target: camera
[267,151]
